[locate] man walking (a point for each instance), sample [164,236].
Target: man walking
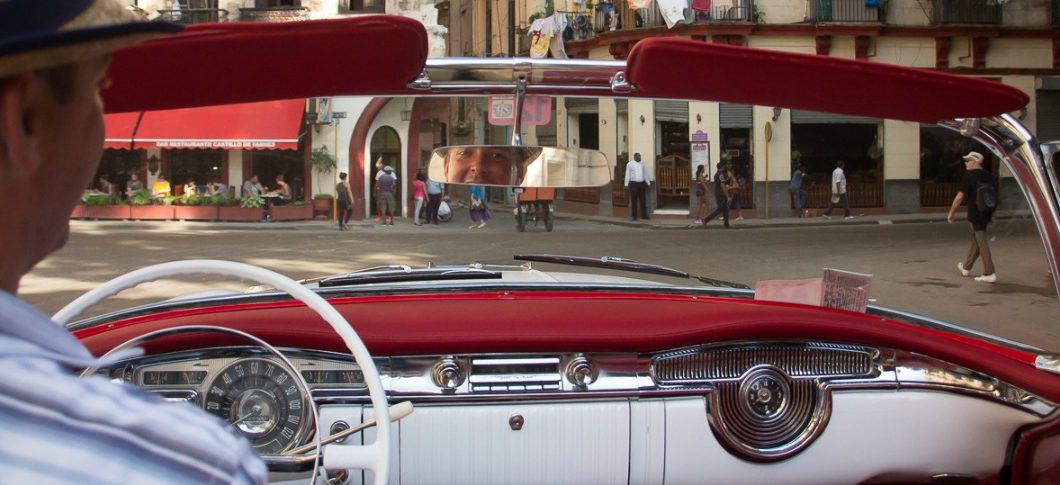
[386,185]
[798,195]
[434,200]
[637,182]
[980,212]
[722,195]
[839,192]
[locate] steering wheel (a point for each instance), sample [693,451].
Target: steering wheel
[376,456]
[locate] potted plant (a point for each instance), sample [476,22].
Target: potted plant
[145,206]
[322,204]
[249,209]
[103,206]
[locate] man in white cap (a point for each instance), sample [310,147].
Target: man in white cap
[978,194]
[54,426]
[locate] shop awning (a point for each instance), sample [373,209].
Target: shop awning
[270,125]
[120,129]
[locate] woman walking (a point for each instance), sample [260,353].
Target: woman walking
[480,212]
[345,200]
[419,192]
[701,193]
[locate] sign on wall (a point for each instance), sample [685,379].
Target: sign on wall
[700,152]
[537,110]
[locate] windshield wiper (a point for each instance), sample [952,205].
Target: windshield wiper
[623,264]
[406,274]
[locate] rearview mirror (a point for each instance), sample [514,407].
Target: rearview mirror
[520,166]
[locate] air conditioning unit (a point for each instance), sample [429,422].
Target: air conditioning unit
[318,111]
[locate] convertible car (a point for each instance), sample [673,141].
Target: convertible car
[582,377]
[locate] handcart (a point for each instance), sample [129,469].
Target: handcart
[536,205]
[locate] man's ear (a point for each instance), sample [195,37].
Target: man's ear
[18,151]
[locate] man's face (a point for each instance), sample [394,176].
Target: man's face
[475,165]
[70,145]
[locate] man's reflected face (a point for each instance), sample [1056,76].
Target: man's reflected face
[480,165]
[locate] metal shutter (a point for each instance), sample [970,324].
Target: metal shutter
[1048,104]
[735,115]
[577,106]
[676,111]
[800,117]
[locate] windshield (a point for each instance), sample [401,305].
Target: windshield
[733,191]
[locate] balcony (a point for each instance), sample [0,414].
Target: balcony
[194,15]
[625,18]
[966,12]
[844,11]
[273,14]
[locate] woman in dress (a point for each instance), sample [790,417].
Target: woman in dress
[479,211]
[701,193]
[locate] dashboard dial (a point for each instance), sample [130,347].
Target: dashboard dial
[262,401]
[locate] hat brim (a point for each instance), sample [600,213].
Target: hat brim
[81,30]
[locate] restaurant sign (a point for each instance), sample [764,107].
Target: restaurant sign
[225,144]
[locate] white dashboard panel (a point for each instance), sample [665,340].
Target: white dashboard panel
[575,443]
[870,434]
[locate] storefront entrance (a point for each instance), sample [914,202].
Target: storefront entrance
[819,141]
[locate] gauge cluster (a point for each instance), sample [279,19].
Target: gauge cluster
[251,390]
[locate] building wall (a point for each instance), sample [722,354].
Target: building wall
[782,11]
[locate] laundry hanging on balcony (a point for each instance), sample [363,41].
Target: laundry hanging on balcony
[546,36]
[673,11]
[635,4]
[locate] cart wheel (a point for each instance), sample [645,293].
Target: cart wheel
[520,220]
[547,209]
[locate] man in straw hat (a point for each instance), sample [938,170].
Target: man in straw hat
[55,427]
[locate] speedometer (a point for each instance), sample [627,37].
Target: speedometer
[262,401]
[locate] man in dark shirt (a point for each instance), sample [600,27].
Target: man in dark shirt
[722,182]
[386,185]
[973,176]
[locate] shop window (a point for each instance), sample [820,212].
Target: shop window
[356,6]
[116,166]
[818,146]
[199,166]
[736,151]
[269,164]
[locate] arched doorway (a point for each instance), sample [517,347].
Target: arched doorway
[385,149]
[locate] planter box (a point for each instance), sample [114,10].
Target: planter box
[322,208]
[119,212]
[292,212]
[240,214]
[195,212]
[78,212]
[152,212]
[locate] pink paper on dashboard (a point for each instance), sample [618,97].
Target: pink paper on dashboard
[806,292]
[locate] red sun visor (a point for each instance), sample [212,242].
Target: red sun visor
[240,62]
[681,68]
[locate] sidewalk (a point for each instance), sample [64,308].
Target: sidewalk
[782,222]
[502,219]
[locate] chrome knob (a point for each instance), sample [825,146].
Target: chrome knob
[580,371]
[446,374]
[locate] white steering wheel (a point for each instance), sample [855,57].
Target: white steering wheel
[376,456]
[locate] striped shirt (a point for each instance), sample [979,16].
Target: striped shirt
[58,428]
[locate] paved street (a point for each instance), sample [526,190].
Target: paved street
[912,259]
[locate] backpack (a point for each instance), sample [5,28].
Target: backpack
[985,196]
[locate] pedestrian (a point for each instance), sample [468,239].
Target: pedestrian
[637,182]
[434,200]
[54,425]
[839,192]
[480,211]
[736,185]
[722,194]
[798,194]
[419,193]
[386,185]
[381,169]
[701,192]
[345,201]
[978,195]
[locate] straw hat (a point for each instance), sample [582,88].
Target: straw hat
[37,34]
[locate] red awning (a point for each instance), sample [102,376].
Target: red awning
[270,125]
[120,129]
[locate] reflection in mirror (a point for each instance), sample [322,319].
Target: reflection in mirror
[520,166]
